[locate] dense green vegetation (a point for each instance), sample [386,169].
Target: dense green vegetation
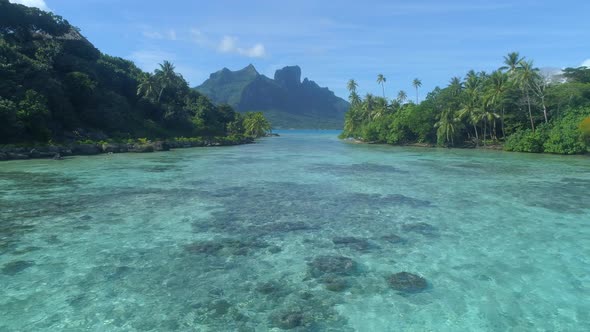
[55,85]
[286,100]
[516,106]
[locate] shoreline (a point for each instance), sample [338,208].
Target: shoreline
[493,147]
[57,152]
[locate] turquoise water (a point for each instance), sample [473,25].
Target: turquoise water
[251,238]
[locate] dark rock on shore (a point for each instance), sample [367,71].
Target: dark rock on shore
[86,149]
[407,282]
[57,152]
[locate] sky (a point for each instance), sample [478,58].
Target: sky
[334,41]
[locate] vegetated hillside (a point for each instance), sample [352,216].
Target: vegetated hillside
[285,100]
[55,85]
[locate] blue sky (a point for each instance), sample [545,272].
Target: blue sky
[333,41]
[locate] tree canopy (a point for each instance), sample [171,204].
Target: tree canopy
[515,106]
[55,83]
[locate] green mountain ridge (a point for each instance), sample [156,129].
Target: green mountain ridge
[285,100]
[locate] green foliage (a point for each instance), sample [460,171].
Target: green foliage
[526,141]
[566,136]
[514,105]
[255,124]
[54,82]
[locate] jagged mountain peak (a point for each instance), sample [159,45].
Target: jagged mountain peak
[286,100]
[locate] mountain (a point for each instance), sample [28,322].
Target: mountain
[285,100]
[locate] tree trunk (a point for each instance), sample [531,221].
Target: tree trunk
[495,138]
[485,127]
[544,108]
[160,94]
[476,135]
[503,132]
[383,88]
[528,100]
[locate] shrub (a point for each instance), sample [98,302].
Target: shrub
[526,141]
[566,135]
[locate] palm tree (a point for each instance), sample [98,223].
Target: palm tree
[447,126]
[256,124]
[526,74]
[147,86]
[166,77]
[381,80]
[368,107]
[487,116]
[402,96]
[351,85]
[471,105]
[456,85]
[511,62]
[497,93]
[381,107]
[417,83]
[354,99]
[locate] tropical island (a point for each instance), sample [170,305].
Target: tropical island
[60,95]
[516,108]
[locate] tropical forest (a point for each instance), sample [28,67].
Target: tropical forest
[56,86]
[516,107]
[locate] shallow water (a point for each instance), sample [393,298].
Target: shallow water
[234,238]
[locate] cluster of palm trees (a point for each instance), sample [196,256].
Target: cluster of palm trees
[474,107]
[152,86]
[371,107]
[401,95]
[482,98]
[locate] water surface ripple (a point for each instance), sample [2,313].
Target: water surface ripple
[301,232]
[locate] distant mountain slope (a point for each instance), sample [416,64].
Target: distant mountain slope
[285,100]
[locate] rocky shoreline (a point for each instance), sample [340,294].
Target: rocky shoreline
[75,149]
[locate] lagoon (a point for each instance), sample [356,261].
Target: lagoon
[296,232]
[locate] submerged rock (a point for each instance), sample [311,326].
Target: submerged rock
[15,267]
[335,284]
[225,247]
[336,265]
[352,242]
[392,238]
[421,228]
[287,320]
[268,287]
[407,282]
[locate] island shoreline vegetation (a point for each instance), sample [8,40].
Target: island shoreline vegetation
[58,92]
[515,108]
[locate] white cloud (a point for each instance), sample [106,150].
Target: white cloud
[169,35]
[256,51]
[586,63]
[33,3]
[229,44]
[198,37]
